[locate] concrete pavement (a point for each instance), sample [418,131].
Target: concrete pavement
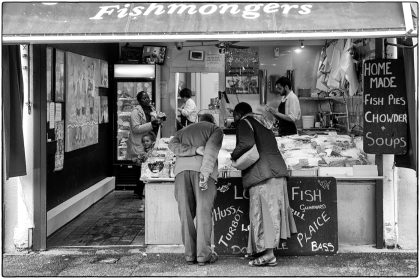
[136,262]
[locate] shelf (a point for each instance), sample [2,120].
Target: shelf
[342,99]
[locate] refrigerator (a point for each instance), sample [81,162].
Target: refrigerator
[129,80]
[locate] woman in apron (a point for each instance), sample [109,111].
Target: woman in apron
[188,111]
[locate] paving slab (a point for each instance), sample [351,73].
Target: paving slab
[101,269]
[135,262]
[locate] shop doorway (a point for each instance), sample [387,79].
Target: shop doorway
[204,88]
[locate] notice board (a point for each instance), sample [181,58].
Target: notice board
[385,107]
[313,201]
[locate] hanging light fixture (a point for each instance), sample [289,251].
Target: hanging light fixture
[301,44]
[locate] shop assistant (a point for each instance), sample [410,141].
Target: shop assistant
[188,111]
[288,111]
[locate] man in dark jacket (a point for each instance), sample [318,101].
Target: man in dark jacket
[196,148]
[270,215]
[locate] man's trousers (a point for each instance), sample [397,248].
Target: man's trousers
[195,203]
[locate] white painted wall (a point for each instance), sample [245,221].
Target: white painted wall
[10,213]
[407,208]
[209,88]
[18,192]
[304,65]
[356,212]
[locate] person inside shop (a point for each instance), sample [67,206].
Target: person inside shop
[196,148]
[288,112]
[188,111]
[148,141]
[144,119]
[270,215]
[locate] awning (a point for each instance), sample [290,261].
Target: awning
[175,21]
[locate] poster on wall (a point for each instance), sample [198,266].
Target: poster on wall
[49,74]
[103,70]
[242,84]
[59,75]
[214,60]
[97,107]
[59,154]
[81,114]
[242,62]
[103,112]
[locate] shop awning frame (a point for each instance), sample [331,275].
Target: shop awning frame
[124,28]
[111,38]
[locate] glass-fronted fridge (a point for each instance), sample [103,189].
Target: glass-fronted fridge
[127,84]
[126,101]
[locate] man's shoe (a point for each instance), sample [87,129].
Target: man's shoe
[191,262]
[213,258]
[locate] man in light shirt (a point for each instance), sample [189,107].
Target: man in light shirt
[288,112]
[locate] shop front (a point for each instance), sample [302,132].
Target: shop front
[226,53]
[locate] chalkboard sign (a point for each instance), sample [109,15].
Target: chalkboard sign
[385,107]
[231,217]
[314,204]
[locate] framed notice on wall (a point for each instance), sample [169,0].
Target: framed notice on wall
[242,84]
[59,75]
[49,74]
[385,107]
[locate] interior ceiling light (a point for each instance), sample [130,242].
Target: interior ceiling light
[299,49]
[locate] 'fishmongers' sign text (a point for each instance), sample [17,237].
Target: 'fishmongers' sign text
[385,107]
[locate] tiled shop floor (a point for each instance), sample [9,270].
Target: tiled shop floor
[114,220]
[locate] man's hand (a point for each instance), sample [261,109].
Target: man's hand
[200,150]
[203,182]
[270,110]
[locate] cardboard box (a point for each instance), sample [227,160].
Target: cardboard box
[304,172]
[335,171]
[365,170]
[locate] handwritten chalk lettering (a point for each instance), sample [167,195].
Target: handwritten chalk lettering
[324,184]
[224,187]
[326,247]
[392,100]
[382,82]
[232,228]
[374,101]
[236,250]
[298,214]
[282,246]
[376,69]
[307,195]
[240,196]
[385,117]
[220,214]
[390,142]
[313,228]
[245,229]
[303,208]
[221,241]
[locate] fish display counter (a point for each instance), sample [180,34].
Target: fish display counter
[331,191]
